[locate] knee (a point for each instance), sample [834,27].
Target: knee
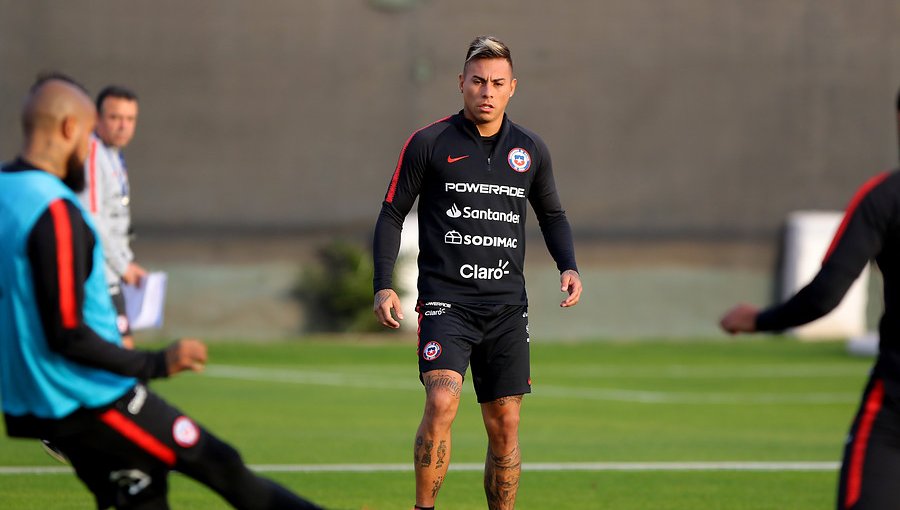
[440,408]
[216,462]
[503,431]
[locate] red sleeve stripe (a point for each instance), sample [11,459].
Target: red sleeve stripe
[92,176]
[65,263]
[864,190]
[143,439]
[860,443]
[393,188]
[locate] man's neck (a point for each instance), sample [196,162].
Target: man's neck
[42,162]
[486,129]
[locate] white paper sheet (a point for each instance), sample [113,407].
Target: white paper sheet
[144,305]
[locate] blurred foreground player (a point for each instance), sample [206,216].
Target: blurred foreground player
[870,472]
[64,376]
[474,174]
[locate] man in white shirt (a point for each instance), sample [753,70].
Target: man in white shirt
[106,195]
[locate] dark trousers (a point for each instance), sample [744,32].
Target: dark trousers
[870,472]
[124,453]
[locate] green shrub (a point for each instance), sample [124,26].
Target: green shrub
[336,292]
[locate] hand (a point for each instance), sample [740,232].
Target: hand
[385,301]
[186,354]
[571,283]
[740,319]
[134,274]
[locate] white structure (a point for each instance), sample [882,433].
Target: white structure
[808,236]
[407,270]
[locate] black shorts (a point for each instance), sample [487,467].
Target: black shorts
[123,453]
[870,472]
[493,338]
[121,315]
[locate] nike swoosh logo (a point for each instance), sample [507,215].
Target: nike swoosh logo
[451,159]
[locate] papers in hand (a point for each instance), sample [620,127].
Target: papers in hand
[144,304]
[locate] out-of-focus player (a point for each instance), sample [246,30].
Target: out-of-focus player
[64,375]
[870,472]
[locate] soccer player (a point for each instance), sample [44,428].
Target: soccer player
[107,193]
[870,230]
[473,174]
[64,376]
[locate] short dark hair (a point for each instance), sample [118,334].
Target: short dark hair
[117,91]
[46,76]
[487,46]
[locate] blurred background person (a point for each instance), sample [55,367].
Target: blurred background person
[107,193]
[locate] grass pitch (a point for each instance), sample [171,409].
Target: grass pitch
[304,411]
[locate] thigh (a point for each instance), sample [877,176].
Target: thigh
[501,364]
[115,467]
[870,471]
[134,444]
[445,337]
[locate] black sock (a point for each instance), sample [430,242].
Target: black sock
[424,507]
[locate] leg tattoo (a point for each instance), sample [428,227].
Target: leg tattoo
[431,455]
[437,486]
[441,453]
[502,401]
[422,451]
[433,382]
[501,479]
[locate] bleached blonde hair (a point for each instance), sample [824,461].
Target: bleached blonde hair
[487,46]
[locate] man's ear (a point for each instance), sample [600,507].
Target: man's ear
[512,89]
[69,127]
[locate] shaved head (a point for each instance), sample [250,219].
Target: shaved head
[57,119]
[51,100]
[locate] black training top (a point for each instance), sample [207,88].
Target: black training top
[472,209]
[870,230]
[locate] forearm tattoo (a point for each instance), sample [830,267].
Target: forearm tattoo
[433,382]
[501,479]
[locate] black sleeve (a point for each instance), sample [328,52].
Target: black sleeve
[60,248]
[858,240]
[398,201]
[550,215]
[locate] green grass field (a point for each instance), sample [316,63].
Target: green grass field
[315,404]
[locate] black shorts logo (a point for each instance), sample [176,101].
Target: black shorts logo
[185,432]
[431,351]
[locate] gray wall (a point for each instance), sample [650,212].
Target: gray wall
[665,118]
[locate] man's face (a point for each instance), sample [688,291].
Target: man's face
[486,85]
[118,119]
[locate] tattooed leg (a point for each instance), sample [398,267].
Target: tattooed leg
[431,454]
[503,464]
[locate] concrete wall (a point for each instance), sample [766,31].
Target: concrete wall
[688,118]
